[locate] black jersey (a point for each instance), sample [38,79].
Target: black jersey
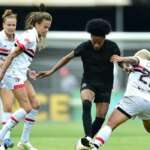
[96,64]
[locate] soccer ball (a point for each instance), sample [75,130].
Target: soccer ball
[80,146]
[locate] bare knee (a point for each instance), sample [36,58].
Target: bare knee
[34,101]
[8,108]
[35,104]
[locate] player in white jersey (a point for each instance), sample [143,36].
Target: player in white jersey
[7,41]
[13,74]
[136,100]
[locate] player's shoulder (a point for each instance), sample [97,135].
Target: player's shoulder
[110,42]
[29,35]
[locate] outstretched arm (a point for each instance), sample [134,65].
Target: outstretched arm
[64,60]
[9,60]
[127,60]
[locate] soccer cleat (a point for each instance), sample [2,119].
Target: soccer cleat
[80,146]
[8,143]
[2,147]
[25,146]
[94,146]
[86,141]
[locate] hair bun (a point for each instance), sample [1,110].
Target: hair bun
[7,12]
[42,7]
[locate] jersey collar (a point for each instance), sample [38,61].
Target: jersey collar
[5,36]
[36,34]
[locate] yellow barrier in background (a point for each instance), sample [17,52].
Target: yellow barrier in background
[55,107]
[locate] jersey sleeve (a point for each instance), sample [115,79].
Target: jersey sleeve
[78,50]
[116,49]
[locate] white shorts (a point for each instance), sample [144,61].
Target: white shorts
[133,106]
[10,82]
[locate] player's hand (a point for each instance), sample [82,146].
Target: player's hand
[1,74]
[1,63]
[43,74]
[128,68]
[116,58]
[32,74]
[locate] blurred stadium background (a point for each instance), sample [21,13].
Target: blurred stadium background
[60,113]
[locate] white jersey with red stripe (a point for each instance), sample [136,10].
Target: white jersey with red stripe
[6,45]
[139,80]
[28,42]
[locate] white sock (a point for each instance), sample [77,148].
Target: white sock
[5,117]
[28,123]
[1,110]
[14,119]
[103,135]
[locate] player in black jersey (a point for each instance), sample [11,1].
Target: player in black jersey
[97,80]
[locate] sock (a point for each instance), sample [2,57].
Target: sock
[14,119]
[103,135]
[28,123]
[1,110]
[96,125]
[86,117]
[5,117]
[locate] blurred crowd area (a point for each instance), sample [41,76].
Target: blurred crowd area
[59,94]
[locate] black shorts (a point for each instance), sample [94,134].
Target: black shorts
[102,94]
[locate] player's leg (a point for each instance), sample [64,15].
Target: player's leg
[30,118]
[128,107]
[87,96]
[101,111]
[116,118]
[102,100]
[7,99]
[146,124]
[20,93]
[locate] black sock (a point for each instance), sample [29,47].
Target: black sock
[86,117]
[96,125]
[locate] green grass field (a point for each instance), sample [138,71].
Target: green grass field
[63,136]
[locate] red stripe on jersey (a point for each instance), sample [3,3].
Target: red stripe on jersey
[29,120]
[14,119]
[4,49]
[139,67]
[20,45]
[19,86]
[100,140]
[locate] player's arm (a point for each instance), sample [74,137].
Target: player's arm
[9,60]
[127,60]
[63,61]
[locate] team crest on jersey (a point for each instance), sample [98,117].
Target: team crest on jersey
[84,85]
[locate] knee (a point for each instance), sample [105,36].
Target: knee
[87,104]
[35,104]
[34,101]
[8,108]
[101,114]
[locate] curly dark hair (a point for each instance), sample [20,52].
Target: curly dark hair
[98,27]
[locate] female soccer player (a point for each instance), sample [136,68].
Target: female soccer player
[7,41]
[136,100]
[97,80]
[13,74]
